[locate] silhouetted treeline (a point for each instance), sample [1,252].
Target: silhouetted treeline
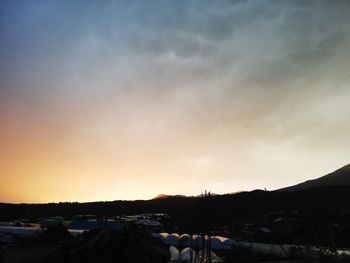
[171,205]
[224,208]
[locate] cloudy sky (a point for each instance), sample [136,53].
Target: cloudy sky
[105,100]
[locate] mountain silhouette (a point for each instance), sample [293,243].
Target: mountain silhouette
[161,196]
[338,177]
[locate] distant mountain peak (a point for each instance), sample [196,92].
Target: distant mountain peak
[161,196]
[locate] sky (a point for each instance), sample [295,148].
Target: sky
[108,100]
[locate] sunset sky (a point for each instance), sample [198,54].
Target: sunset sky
[107,100]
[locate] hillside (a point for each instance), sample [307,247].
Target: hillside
[338,177]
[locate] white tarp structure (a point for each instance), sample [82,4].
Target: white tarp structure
[197,241]
[185,255]
[173,239]
[189,255]
[218,242]
[185,240]
[287,250]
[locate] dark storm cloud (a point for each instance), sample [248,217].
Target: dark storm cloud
[233,84]
[237,47]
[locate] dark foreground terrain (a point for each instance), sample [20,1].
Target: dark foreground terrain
[131,245]
[315,213]
[56,246]
[319,215]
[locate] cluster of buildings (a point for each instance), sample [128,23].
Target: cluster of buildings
[10,231]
